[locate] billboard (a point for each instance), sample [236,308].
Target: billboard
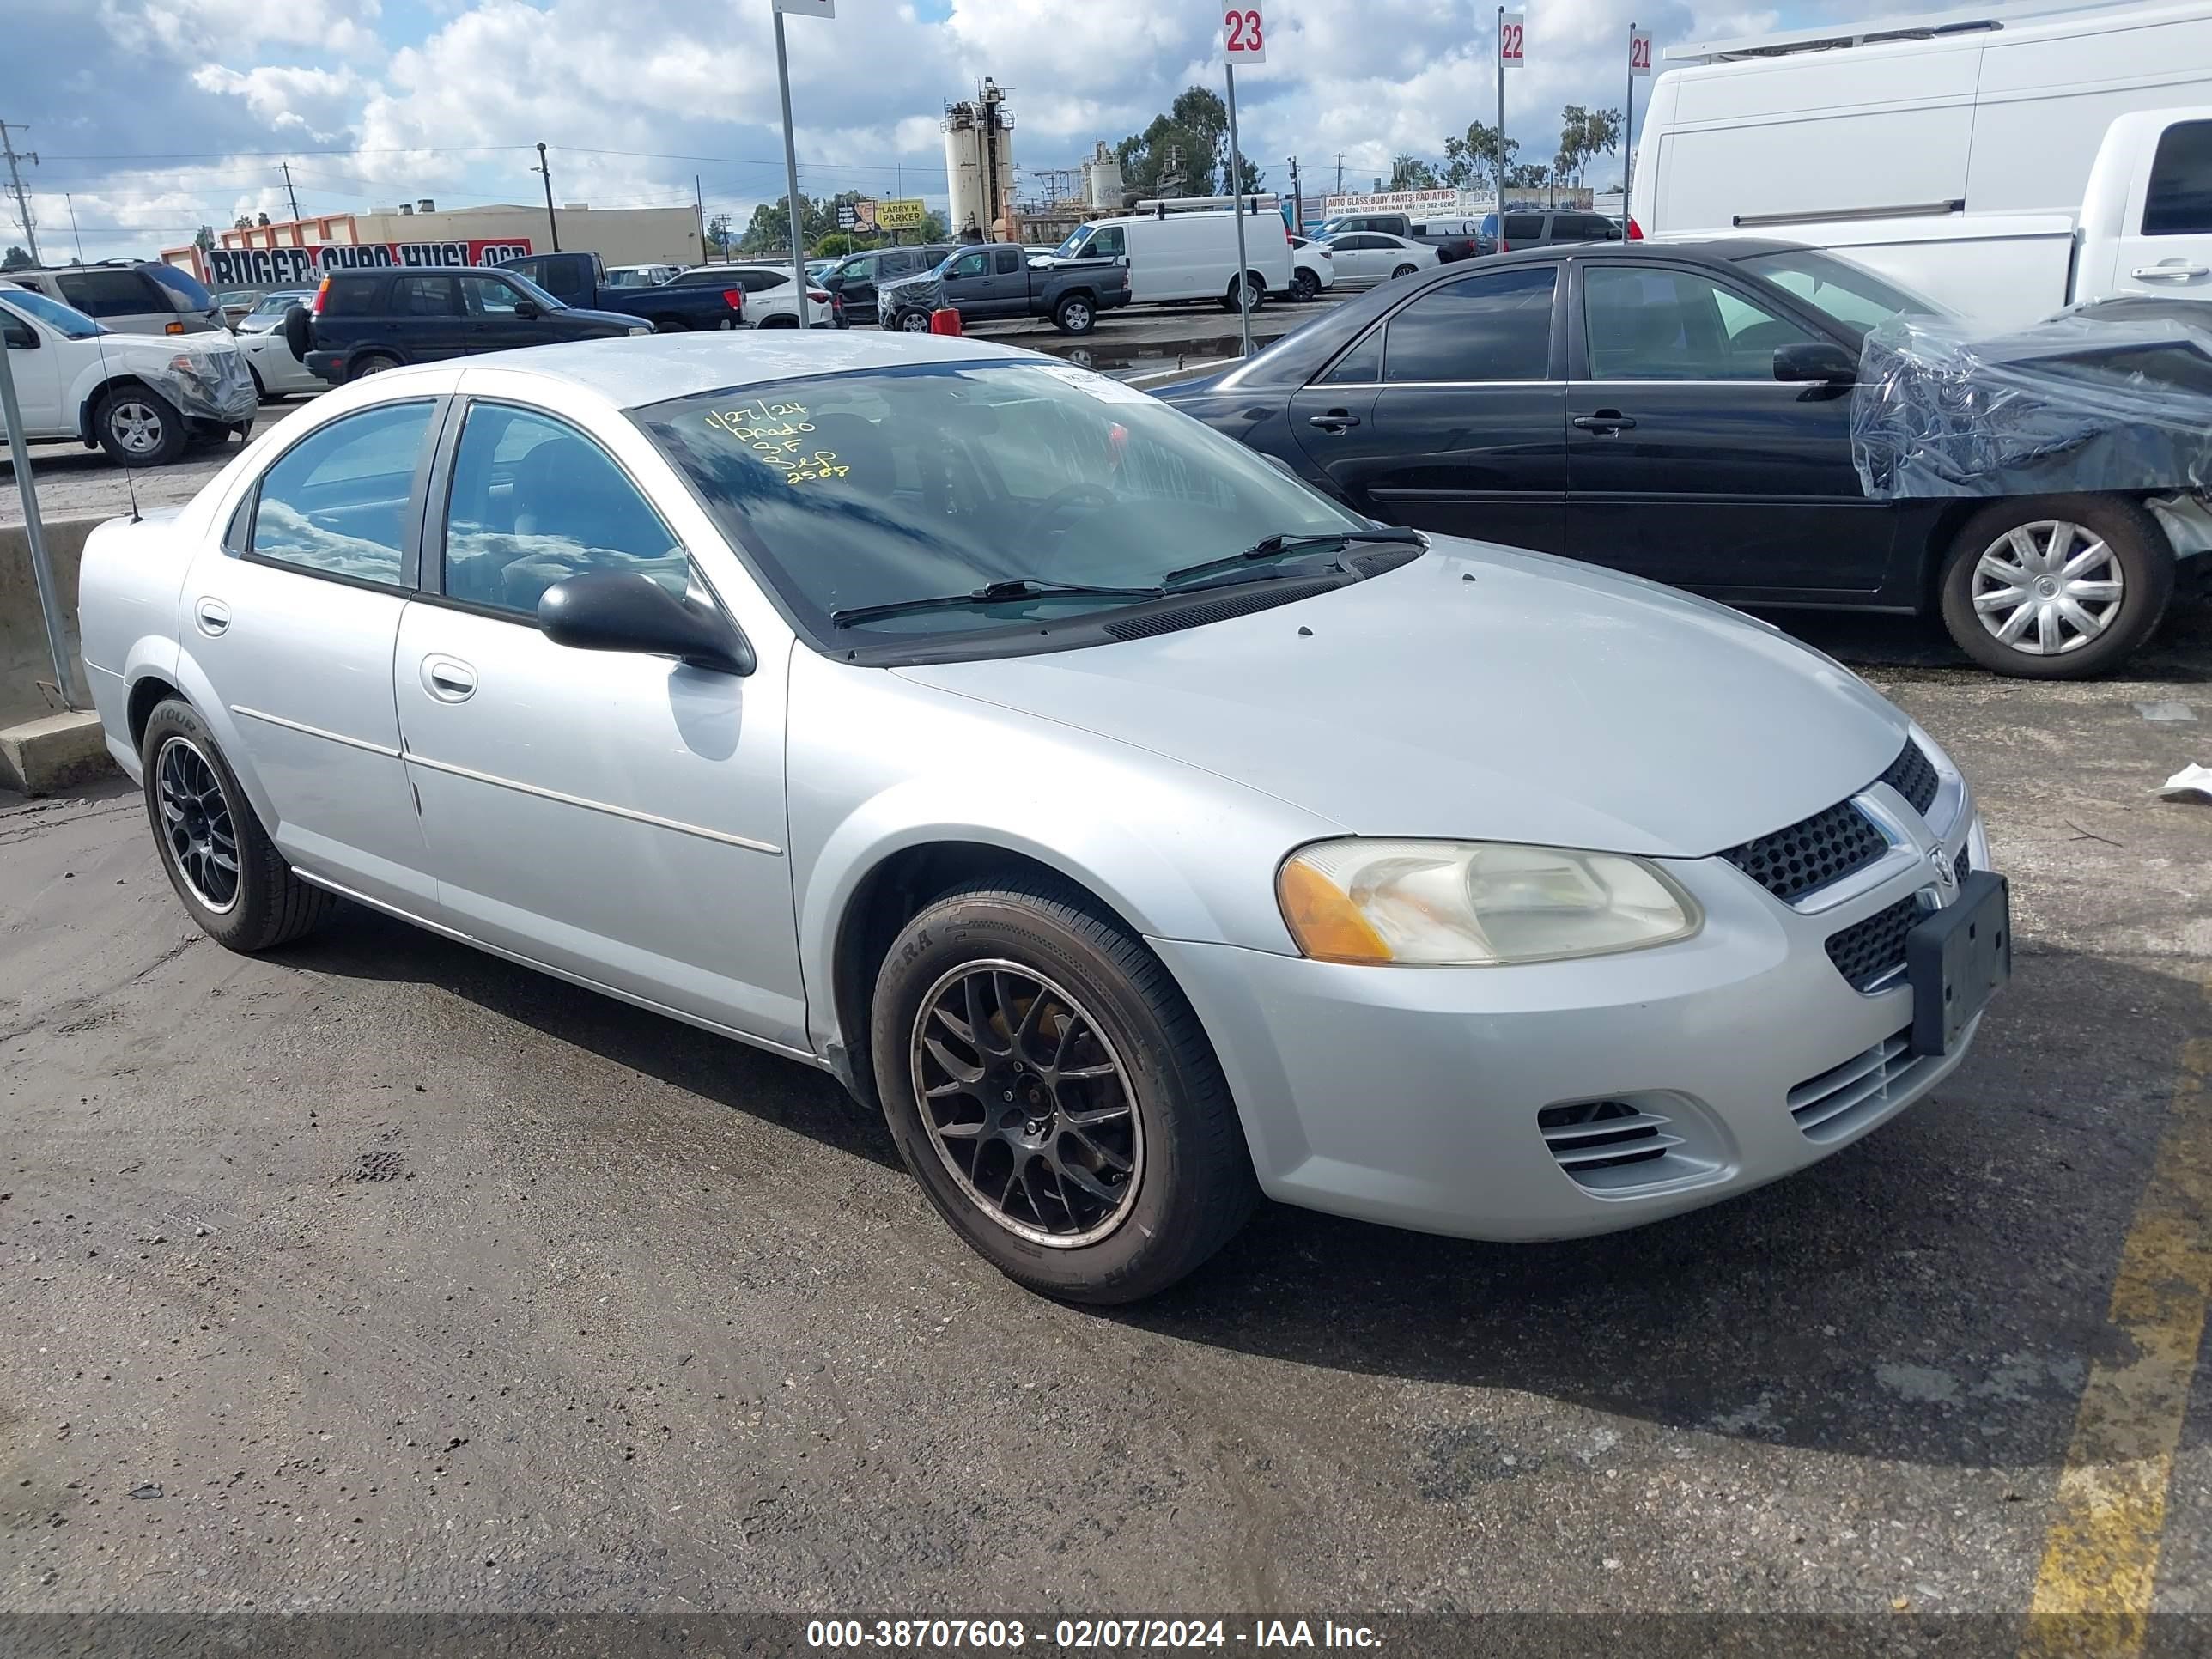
[302,267]
[1397,201]
[900,213]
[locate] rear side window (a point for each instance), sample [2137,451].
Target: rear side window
[184,288]
[759,282]
[1524,227]
[350,296]
[1005,260]
[2179,200]
[1584,227]
[336,502]
[425,296]
[1495,327]
[113,294]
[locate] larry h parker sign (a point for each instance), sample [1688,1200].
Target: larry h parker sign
[277,267]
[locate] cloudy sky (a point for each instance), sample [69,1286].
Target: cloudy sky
[155,118]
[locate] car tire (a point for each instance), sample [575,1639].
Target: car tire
[1075,315]
[670,325]
[261,392]
[199,816]
[370,363]
[1043,958]
[1254,293]
[138,427]
[779,322]
[911,322]
[1305,285]
[1403,270]
[2123,576]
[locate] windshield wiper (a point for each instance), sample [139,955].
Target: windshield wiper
[1275,546]
[1018,588]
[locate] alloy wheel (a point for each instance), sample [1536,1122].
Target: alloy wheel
[136,426]
[197,826]
[1027,1104]
[2048,588]
[1078,315]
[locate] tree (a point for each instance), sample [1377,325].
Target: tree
[1474,157]
[931,229]
[718,235]
[1185,152]
[17,260]
[1526,175]
[1584,133]
[1409,172]
[837,244]
[204,238]
[242,222]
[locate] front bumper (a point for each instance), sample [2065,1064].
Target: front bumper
[1412,1097]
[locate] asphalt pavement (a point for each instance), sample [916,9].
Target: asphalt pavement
[378,1274]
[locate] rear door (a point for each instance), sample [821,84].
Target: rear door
[1449,415]
[1688,462]
[2167,245]
[428,312]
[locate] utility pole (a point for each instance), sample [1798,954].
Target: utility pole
[699,196]
[552,224]
[285,168]
[1297,202]
[1339,172]
[15,184]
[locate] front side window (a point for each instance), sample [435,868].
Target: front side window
[1495,327]
[970,264]
[1648,323]
[489,296]
[65,321]
[893,484]
[2179,200]
[533,503]
[1111,243]
[1362,365]
[336,501]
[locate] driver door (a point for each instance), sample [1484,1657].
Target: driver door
[615,817]
[35,358]
[968,282]
[492,304]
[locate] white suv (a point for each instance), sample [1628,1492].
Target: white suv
[140,398]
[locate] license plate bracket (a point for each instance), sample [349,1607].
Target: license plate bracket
[1956,958]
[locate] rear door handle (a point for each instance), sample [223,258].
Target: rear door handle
[448,679]
[2171,272]
[1606,419]
[1336,420]
[212,615]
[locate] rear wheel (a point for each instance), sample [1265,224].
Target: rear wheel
[1305,285]
[1054,1094]
[1074,315]
[779,322]
[2056,586]
[1403,270]
[670,325]
[238,887]
[371,362]
[138,427]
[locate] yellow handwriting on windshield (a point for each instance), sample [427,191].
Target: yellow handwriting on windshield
[772,430]
[822,464]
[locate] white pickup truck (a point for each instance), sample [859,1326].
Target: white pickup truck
[2006,163]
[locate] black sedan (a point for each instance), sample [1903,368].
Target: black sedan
[1684,412]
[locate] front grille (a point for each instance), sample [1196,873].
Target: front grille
[1867,952]
[1960,866]
[1593,1135]
[1825,848]
[1912,775]
[1843,1098]
[1260,596]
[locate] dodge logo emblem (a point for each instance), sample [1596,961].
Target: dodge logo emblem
[1947,878]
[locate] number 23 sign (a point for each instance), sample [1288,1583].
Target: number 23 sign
[1246,40]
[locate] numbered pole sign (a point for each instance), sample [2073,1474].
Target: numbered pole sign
[1639,52]
[1242,35]
[1512,39]
[807,7]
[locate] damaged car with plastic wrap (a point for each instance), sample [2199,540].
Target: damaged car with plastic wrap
[1140,829]
[1769,424]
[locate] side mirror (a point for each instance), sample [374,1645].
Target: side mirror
[22,337]
[623,611]
[527,310]
[1816,360]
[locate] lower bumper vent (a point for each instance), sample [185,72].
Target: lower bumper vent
[1844,1097]
[1591,1138]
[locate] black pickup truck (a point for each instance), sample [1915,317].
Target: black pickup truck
[999,280]
[579,279]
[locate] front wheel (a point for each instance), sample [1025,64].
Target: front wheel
[1248,295]
[1074,315]
[138,427]
[912,322]
[2056,586]
[237,886]
[1054,1094]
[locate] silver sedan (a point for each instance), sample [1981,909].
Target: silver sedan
[1140,829]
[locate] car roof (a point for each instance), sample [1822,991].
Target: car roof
[637,370]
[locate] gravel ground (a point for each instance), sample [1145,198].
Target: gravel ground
[378,1274]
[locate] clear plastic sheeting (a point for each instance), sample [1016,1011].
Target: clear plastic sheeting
[205,385]
[2112,397]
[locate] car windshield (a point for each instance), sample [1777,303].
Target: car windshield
[1066,249]
[65,321]
[277,304]
[895,484]
[1848,292]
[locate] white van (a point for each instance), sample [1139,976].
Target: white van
[2006,163]
[1191,255]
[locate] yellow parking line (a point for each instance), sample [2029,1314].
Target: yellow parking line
[2092,1595]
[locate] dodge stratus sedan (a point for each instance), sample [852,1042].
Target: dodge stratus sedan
[1141,831]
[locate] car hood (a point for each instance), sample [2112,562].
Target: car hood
[620,321]
[160,348]
[1489,694]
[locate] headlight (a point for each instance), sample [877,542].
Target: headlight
[1467,904]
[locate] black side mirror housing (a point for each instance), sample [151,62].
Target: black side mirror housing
[527,310]
[1817,360]
[623,611]
[20,339]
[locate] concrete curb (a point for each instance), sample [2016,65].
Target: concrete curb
[43,747]
[45,756]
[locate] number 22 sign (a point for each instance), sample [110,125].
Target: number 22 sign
[1511,30]
[1246,40]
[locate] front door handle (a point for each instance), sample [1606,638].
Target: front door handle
[1336,420]
[212,615]
[448,679]
[2171,272]
[1606,419]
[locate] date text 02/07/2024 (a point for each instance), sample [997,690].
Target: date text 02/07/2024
[1084,1634]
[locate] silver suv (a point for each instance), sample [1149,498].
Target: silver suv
[130,296]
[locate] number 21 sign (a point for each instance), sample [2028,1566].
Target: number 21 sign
[1245,38]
